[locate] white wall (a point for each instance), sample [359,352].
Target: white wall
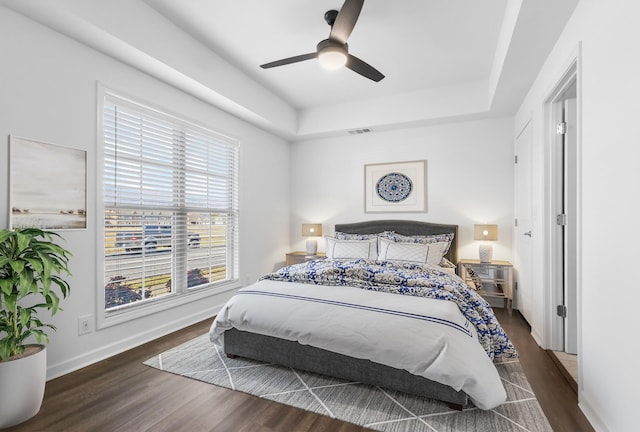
[161,49]
[469,178]
[609,90]
[48,93]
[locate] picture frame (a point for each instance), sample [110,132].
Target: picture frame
[395,187]
[47,185]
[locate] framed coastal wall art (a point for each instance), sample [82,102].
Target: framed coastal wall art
[47,185]
[395,187]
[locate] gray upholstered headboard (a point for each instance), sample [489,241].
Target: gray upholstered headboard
[405,227]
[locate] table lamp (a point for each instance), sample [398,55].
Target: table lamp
[312,230]
[486,233]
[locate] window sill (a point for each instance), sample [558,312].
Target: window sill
[134,311]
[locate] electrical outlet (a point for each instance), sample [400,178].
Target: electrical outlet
[85,324]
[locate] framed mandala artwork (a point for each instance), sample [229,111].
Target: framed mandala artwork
[395,187]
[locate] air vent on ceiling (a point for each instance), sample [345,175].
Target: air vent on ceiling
[359,131]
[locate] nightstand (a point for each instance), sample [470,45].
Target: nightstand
[496,278]
[300,257]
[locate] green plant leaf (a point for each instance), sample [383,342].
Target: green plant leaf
[53,301]
[40,336]
[30,265]
[11,302]
[65,289]
[5,350]
[17,266]
[10,346]
[26,281]
[23,241]
[35,263]
[45,275]
[25,316]
[34,287]
[6,285]
[4,235]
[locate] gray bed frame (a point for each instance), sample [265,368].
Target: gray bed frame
[308,358]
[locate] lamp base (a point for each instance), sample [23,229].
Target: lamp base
[312,246]
[486,253]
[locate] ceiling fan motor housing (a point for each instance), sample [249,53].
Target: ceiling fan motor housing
[332,54]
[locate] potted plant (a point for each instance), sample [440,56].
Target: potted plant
[30,267]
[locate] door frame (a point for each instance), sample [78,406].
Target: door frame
[554,330]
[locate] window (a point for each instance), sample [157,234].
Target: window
[170,195]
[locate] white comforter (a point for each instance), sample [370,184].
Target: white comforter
[424,336]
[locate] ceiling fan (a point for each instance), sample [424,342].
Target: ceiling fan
[333,53]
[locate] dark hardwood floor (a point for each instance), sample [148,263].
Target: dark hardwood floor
[121,394]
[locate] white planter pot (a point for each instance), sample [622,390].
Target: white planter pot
[23,382]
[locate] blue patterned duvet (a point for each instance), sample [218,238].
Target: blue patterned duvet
[407,279]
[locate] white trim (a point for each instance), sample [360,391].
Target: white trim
[528,120]
[590,413]
[552,324]
[99,213]
[579,201]
[104,318]
[138,310]
[136,339]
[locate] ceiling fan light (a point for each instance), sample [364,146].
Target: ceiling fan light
[332,57]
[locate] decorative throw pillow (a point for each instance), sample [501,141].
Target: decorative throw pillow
[434,238]
[424,253]
[446,263]
[348,236]
[352,249]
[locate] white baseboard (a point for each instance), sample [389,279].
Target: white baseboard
[536,337]
[590,413]
[91,357]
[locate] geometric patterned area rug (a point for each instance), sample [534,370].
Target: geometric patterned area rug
[373,407]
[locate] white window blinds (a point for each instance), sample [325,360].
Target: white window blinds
[170,202]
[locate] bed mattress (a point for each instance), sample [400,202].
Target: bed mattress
[424,336]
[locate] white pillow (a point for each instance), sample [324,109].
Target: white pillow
[352,249]
[424,253]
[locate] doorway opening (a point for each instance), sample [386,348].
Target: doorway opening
[563,224]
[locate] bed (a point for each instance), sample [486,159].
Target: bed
[328,317]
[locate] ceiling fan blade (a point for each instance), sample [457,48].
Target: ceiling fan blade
[289,60]
[346,20]
[364,69]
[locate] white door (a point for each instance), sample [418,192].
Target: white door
[522,241]
[570,229]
